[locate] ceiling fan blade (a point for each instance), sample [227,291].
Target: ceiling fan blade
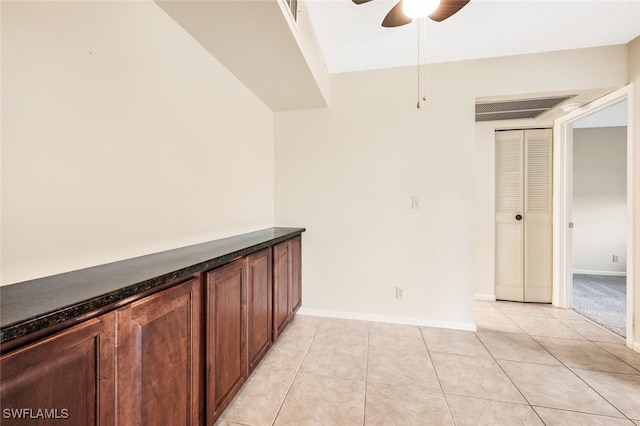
[360,1]
[396,17]
[447,8]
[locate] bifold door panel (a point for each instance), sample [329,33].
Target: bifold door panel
[523,215]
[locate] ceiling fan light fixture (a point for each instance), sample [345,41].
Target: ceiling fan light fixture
[416,9]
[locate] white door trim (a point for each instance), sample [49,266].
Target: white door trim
[562,199]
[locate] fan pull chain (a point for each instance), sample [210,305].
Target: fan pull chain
[418,103]
[422,84]
[424,61]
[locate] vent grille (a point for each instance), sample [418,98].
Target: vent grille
[517,108]
[508,173]
[538,175]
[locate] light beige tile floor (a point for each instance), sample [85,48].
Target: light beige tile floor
[527,364]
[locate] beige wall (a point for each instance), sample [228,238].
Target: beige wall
[121,136]
[634,77]
[599,208]
[348,172]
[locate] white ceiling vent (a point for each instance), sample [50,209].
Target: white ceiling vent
[517,108]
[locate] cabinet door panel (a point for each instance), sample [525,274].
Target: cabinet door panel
[259,303]
[296,274]
[159,357]
[281,287]
[70,377]
[226,348]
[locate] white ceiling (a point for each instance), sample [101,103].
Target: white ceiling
[352,39]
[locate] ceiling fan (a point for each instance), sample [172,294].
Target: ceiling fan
[407,10]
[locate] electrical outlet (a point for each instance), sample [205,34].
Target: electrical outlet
[399,292]
[615,258]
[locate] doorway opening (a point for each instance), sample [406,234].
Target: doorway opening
[599,216]
[563,215]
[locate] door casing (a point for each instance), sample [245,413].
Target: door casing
[563,200]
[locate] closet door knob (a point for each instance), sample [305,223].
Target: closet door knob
[518,217]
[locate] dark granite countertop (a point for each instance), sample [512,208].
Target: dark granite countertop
[35,305]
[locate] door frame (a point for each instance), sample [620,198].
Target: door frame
[563,200]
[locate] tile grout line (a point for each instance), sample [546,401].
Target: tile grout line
[444,395]
[597,342]
[475,333]
[637,373]
[509,319]
[366,375]
[593,389]
[556,358]
[617,357]
[296,374]
[592,322]
[582,412]
[568,368]
[579,378]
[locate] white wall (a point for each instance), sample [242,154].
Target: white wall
[121,136]
[347,173]
[599,200]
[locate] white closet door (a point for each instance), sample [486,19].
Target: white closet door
[523,215]
[509,279]
[537,216]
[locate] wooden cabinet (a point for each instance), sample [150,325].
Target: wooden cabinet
[259,306]
[74,376]
[67,378]
[159,370]
[226,335]
[287,282]
[176,357]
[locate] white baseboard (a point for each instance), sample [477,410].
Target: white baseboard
[636,346]
[485,297]
[392,319]
[607,273]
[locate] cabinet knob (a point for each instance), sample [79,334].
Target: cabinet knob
[518,217]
